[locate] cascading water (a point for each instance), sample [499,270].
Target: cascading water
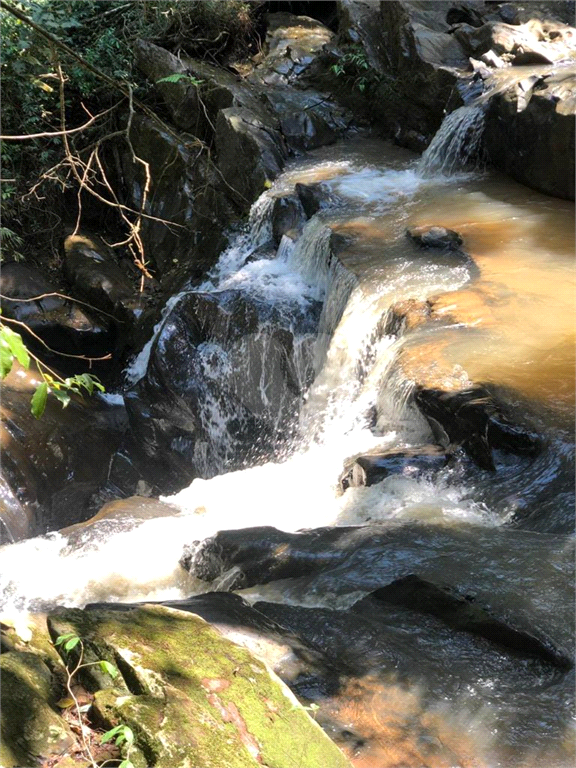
[457,145]
[357,261]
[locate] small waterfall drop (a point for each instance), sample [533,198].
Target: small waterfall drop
[457,144]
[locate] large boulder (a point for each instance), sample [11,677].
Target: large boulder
[190,695]
[185,207]
[32,729]
[252,142]
[52,466]
[530,132]
[64,325]
[94,274]
[420,65]
[222,385]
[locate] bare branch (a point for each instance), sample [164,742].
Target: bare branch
[61,296]
[29,330]
[48,135]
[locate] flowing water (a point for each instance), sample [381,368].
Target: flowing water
[504,316]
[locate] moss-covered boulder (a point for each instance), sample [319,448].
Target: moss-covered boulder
[192,697]
[31,728]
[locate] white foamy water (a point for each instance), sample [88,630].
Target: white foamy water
[139,560]
[457,144]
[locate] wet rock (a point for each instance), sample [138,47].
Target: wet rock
[287,216]
[222,383]
[264,554]
[435,237]
[64,325]
[463,614]
[405,316]
[32,730]
[53,466]
[184,195]
[191,694]
[92,270]
[370,469]
[246,139]
[474,419]
[293,43]
[344,560]
[308,119]
[530,132]
[464,13]
[315,197]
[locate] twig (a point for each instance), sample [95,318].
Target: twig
[90,67]
[11,321]
[61,296]
[48,135]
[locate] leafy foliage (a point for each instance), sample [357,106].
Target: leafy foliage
[354,67]
[12,348]
[121,735]
[180,77]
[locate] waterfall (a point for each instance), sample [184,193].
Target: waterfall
[457,144]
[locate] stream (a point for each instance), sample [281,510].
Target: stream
[326,375]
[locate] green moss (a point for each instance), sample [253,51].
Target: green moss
[196,698]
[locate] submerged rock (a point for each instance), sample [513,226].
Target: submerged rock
[463,614]
[373,468]
[435,237]
[473,418]
[190,695]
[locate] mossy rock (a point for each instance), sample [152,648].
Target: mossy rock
[195,698]
[31,729]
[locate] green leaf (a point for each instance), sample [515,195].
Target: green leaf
[6,360]
[62,638]
[13,341]
[110,669]
[126,764]
[179,78]
[111,734]
[62,396]
[72,643]
[39,400]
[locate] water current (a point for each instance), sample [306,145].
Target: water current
[505,317]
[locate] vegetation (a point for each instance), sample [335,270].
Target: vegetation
[13,348]
[121,735]
[354,68]
[60,109]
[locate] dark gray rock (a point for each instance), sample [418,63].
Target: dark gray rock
[530,132]
[370,469]
[54,465]
[92,270]
[287,216]
[246,141]
[64,325]
[315,197]
[474,419]
[463,614]
[222,386]
[308,119]
[435,237]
